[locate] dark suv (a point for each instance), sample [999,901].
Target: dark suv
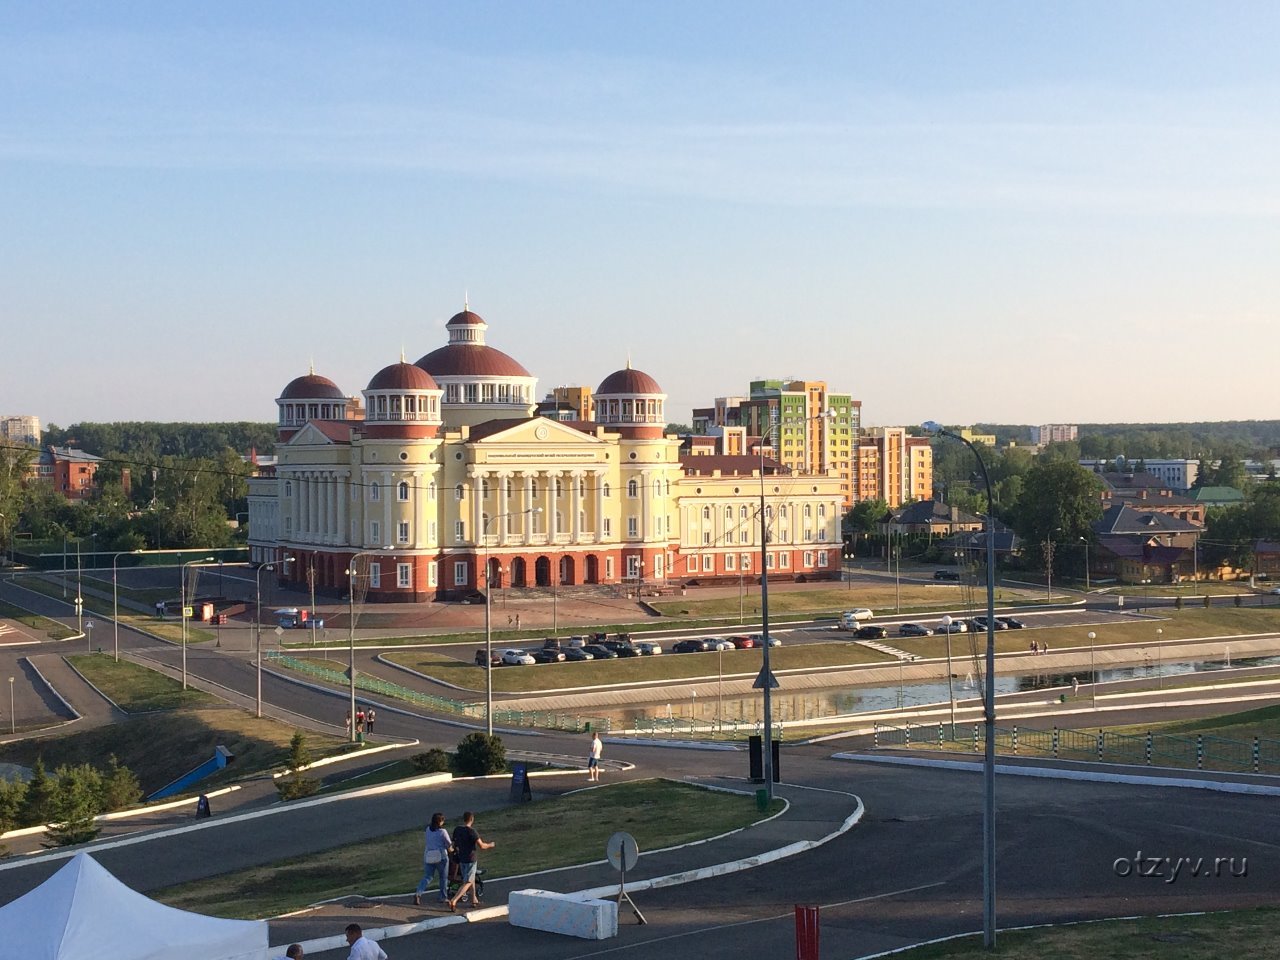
[494,661]
[622,648]
[949,575]
[871,632]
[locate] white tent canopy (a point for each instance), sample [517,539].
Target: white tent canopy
[82,912]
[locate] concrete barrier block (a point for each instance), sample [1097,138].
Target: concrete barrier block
[563,913]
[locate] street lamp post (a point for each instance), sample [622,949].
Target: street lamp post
[13,721]
[1093,673]
[257,623]
[351,638]
[1085,541]
[951,688]
[488,611]
[989,709]
[766,681]
[183,600]
[1159,659]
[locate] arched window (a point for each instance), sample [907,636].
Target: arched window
[633,488]
[728,513]
[808,510]
[706,513]
[559,489]
[605,490]
[457,492]
[402,491]
[742,513]
[822,511]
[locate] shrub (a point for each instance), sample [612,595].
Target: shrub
[12,795]
[120,787]
[479,754]
[297,785]
[434,760]
[36,805]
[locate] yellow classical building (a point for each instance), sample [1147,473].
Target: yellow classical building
[446,482]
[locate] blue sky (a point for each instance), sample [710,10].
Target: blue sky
[1009,212]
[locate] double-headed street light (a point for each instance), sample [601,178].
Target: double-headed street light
[988,705]
[183,601]
[351,636]
[257,622]
[488,611]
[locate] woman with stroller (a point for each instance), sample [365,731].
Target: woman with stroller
[435,858]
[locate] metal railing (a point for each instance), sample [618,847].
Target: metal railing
[1182,751]
[537,719]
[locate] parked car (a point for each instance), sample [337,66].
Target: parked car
[850,619]
[299,620]
[955,626]
[621,647]
[950,575]
[759,639]
[980,624]
[649,648]
[494,661]
[547,655]
[1013,623]
[716,643]
[871,632]
[914,630]
[689,646]
[576,643]
[551,643]
[577,654]
[743,642]
[600,653]
[518,658]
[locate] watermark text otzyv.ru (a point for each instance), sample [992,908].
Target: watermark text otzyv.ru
[1172,869]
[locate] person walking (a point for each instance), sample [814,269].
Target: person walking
[467,843]
[593,759]
[369,717]
[360,720]
[1075,686]
[362,948]
[435,858]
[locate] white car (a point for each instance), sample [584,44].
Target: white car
[759,639]
[518,658]
[717,643]
[649,648]
[850,619]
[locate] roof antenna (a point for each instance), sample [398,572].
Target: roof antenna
[311,369]
[466,297]
[628,358]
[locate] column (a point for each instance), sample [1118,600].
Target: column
[600,476]
[504,507]
[575,478]
[477,505]
[553,528]
[417,493]
[344,495]
[646,499]
[528,503]
[388,515]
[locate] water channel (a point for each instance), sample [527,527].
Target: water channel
[814,704]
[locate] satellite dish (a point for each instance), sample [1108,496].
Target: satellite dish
[622,851]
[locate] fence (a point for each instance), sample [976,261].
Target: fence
[1192,752]
[539,719]
[690,727]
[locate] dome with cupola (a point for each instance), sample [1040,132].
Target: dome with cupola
[631,401]
[306,398]
[402,401]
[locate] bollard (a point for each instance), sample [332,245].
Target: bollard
[939,736]
[1055,743]
[907,739]
[1149,739]
[1199,751]
[1100,740]
[806,932]
[1015,739]
[975,738]
[1256,755]
[875,736]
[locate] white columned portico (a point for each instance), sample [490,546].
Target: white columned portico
[343,530]
[504,508]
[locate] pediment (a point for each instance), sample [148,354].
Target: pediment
[538,432]
[310,435]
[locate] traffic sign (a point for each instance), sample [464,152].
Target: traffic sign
[89,624]
[187,612]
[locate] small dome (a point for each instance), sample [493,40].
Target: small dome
[402,376]
[471,360]
[312,387]
[466,317]
[628,381]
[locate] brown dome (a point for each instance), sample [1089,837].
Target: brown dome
[467,317]
[402,376]
[312,387]
[628,381]
[471,360]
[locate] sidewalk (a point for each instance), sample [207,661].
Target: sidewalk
[811,817]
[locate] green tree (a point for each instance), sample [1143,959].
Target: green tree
[479,754]
[75,802]
[120,788]
[297,784]
[12,795]
[1060,501]
[862,518]
[37,804]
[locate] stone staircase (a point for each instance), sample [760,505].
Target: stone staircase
[884,648]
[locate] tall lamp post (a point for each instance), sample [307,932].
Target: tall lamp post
[351,637]
[1093,673]
[989,708]
[488,611]
[257,622]
[766,681]
[951,689]
[1085,541]
[115,597]
[183,595]
[13,720]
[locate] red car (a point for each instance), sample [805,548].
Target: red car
[742,643]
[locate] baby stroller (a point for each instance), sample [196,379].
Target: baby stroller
[455,877]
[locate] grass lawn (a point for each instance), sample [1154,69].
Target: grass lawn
[877,596]
[135,688]
[159,747]
[51,628]
[669,666]
[1263,722]
[548,833]
[1240,934]
[1176,625]
[169,629]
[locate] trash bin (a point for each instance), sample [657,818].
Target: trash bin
[762,800]
[359,736]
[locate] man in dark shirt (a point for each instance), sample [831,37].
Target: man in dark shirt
[466,841]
